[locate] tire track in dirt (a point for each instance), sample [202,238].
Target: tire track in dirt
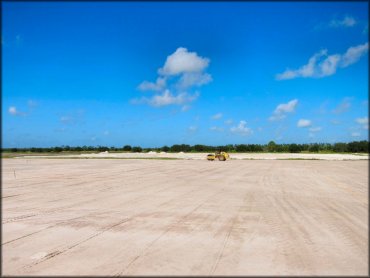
[59,252]
[56,253]
[78,203]
[181,220]
[49,227]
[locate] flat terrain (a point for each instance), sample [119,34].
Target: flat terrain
[201,156]
[184,217]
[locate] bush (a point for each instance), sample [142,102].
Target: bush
[165,149]
[314,148]
[294,148]
[137,149]
[127,148]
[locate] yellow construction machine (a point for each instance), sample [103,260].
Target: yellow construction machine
[221,156]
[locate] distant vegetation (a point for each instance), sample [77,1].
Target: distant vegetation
[352,147]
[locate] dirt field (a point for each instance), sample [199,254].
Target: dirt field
[184,217]
[201,156]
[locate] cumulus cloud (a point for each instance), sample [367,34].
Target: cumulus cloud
[241,129]
[304,123]
[228,122]
[321,64]
[182,71]
[216,128]
[167,98]
[343,106]
[13,111]
[217,116]
[194,79]
[183,61]
[282,109]
[347,21]
[150,86]
[355,134]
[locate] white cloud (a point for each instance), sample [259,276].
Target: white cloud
[355,134]
[183,61]
[347,21]
[150,86]
[315,129]
[167,98]
[13,111]
[343,106]
[241,129]
[216,128]
[321,64]
[182,71]
[282,109]
[106,132]
[353,54]
[217,116]
[194,79]
[364,120]
[304,123]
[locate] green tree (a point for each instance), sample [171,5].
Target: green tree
[127,148]
[271,147]
[340,147]
[241,148]
[165,149]
[313,148]
[137,149]
[294,148]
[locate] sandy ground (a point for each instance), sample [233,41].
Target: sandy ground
[184,217]
[202,156]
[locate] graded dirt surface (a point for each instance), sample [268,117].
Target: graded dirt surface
[184,217]
[201,156]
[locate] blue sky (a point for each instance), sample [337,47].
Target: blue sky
[155,74]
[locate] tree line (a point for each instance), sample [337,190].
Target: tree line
[351,147]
